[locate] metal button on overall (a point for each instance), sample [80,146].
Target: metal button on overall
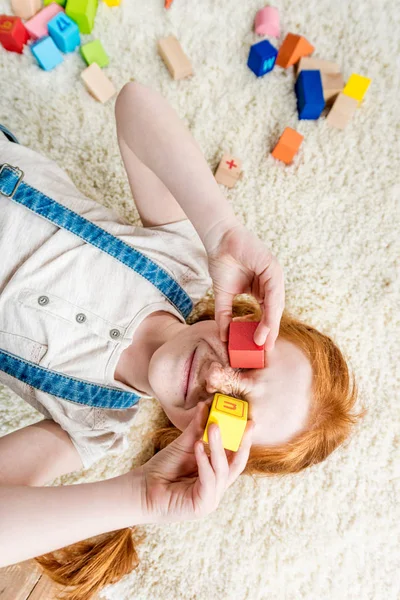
[80,317]
[42,300]
[114,333]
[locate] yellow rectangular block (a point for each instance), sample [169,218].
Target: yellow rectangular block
[230,414]
[356,86]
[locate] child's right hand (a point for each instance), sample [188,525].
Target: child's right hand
[181,483]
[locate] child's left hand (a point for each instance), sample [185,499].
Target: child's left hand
[239,263]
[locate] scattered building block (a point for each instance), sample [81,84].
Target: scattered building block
[64,32]
[308,63]
[98,83]
[46,53]
[229,171]
[262,58]
[310,95]
[356,86]
[83,13]
[243,352]
[174,57]
[342,111]
[60,2]
[168,3]
[332,85]
[13,35]
[267,22]
[112,2]
[94,52]
[288,145]
[230,414]
[293,48]
[37,25]
[26,8]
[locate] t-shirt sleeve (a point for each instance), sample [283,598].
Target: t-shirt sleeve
[187,256]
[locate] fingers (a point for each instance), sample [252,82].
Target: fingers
[223,313]
[272,292]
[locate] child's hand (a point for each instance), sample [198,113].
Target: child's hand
[239,263]
[180,483]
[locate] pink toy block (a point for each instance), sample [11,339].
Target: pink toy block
[37,26]
[243,352]
[267,22]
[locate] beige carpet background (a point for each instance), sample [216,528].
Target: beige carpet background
[332,220]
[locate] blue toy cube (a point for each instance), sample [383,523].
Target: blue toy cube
[46,53]
[310,95]
[262,58]
[65,32]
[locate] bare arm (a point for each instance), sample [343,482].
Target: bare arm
[150,133]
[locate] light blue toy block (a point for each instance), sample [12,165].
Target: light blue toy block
[65,32]
[46,53]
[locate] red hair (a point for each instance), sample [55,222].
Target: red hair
[90,565]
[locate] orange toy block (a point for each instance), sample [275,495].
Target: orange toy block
[168,3]
[229,171]
[243,352]
[287,146]
[98,83]
[342,111]
[293,48]
[174,57]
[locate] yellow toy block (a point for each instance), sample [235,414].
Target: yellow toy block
[356,86]
[112,2]
[230,414]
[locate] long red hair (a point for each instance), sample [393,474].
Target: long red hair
[90,565]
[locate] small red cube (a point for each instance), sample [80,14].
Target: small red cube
[243,352]
[13,35]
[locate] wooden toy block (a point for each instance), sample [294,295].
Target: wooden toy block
[342,111]
[243,352]
[332,85]
[293,48]
[287,146]
[60,2]
[94,52]
[229,171]
[262,58]
[98,83]
[356,86]
[112,2]
[230,414]
[267,22]
[64,32]
[310,95]
[308,63]
[26,8]
[168,3]
[83,13]
[13,35]
[174,57]
[37,25]
[46,53]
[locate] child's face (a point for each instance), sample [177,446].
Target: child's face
[279,395]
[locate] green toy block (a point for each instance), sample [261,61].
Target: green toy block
[83,13]
[94,52]
[60,2]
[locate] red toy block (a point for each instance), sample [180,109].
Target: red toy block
[243,352]
[13,35]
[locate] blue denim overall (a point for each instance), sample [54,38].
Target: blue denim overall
[47,380]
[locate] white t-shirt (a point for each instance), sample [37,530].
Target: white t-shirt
[38,259]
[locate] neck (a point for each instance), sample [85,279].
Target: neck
[154,331]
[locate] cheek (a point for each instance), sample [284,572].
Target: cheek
[179,417]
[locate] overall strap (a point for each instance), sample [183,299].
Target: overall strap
[64,386]
[12,186]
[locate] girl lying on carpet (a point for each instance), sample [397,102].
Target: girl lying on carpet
[83,336]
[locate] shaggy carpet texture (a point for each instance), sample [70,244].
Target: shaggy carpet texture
[331,218]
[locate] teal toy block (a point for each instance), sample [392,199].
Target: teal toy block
[64,32]
[83,13]
[46,53]
[60,2]
[94,52]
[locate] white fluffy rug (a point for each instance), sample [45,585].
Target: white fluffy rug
[331,532]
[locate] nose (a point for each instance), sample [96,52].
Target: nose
[221,379]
